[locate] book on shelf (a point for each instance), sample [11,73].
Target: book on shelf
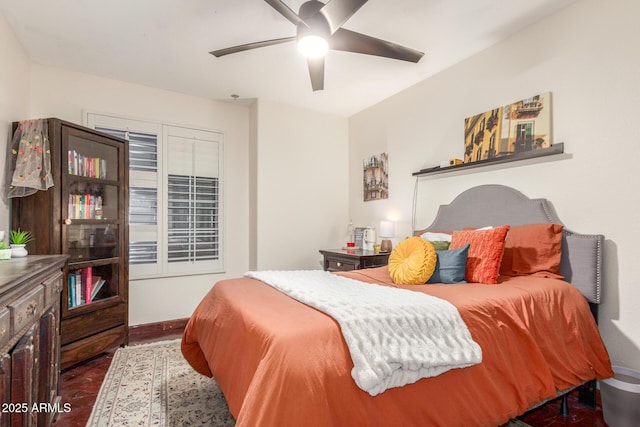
[84,206]
[88,281]
[78,288]
[97,284]
[81,165]
[83,287]
[71,279]
[74,282]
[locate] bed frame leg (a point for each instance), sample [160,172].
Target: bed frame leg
[564,406]
[587,395]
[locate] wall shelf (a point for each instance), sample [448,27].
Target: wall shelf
[555,149]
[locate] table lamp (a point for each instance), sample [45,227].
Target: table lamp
[386,232]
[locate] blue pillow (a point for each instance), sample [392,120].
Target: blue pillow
[451,266]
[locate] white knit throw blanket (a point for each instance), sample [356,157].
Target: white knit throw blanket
[395,336]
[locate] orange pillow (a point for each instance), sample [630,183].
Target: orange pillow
[485,253]
[533,250]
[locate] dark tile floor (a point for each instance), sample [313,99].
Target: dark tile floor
[80,386]
[549,415]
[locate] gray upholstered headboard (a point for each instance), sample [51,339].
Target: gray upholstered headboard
[496,205]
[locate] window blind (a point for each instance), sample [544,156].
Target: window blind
[193,219]
[143,193]
[143,148]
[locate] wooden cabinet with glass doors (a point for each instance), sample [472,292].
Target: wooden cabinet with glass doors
[84,215]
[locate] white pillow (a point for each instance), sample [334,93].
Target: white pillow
[436,237]
[444,237]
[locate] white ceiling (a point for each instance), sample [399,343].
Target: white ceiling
[165,44]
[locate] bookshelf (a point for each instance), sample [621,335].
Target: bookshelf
[84,215]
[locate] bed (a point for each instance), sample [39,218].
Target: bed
[280,362]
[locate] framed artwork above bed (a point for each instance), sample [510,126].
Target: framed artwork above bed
[524,125]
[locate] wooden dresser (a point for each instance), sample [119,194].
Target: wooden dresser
[30,340]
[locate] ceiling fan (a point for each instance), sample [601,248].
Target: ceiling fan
[319,28]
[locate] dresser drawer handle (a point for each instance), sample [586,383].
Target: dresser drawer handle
[31,308]
[338,264]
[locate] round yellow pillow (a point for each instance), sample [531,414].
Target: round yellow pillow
[412,261]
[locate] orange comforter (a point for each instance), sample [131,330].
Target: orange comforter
[282,363]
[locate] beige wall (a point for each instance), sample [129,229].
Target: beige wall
[586,56]
[14,97]
[300,181]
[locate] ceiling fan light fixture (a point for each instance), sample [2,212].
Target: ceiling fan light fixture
[319,28]
[313,46]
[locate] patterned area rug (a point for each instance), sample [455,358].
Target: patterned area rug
[152,385]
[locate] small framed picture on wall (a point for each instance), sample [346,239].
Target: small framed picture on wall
[376,177]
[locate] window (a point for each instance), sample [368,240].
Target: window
[175,221]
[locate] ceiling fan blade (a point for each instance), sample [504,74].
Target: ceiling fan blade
[248,46]
[337,12]
[351,41]
[316,72]
[285,11]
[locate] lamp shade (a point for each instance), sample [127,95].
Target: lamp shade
[387,229]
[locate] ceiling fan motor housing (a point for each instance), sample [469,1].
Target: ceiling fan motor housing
[315,24]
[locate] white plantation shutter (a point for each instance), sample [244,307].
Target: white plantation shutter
[144,182]
[193,201]
[175,196]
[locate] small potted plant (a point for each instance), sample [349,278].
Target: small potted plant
[5,251]
[18,239]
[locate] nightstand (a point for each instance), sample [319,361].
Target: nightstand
[346,260]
